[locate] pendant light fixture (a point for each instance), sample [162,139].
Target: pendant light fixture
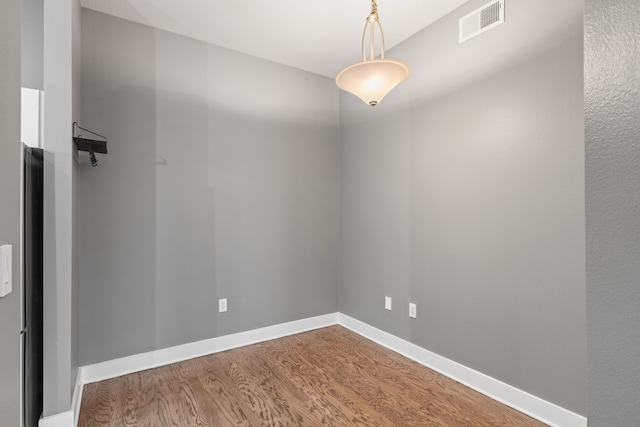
[371,79]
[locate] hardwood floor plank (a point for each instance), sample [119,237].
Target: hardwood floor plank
[377,367]
[223,401]
[357,377]
[91,410]
[137,400]
[329,404]
[325,377]
[177,403]
[267,407]
[448,399]
[277,385]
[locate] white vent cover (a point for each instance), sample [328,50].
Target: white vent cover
[480,20]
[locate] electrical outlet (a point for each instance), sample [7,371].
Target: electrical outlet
[222,305]
[412,310]
[387,303]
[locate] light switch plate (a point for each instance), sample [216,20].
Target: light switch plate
[5,270]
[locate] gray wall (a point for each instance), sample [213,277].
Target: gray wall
[612,111]
[60,304]
[222,181]
[10,165]
[463,192]
[32,43]
[76,19]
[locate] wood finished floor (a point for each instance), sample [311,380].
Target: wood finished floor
[326,377]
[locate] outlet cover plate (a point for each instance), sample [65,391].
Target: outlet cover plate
[5,270]
[412,310]
[222,305]
[387,303]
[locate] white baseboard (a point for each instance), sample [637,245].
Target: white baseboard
[64,419]
[533,406]
[140,362]
[68,418]
[76,400]
[524,402]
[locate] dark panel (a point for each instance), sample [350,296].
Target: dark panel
[33,283]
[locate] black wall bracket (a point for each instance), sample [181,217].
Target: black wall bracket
[93,146]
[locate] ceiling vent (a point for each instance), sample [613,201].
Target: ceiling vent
[480,20]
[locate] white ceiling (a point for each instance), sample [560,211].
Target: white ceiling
[318,36]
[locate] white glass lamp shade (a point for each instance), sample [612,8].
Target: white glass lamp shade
[371,80]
